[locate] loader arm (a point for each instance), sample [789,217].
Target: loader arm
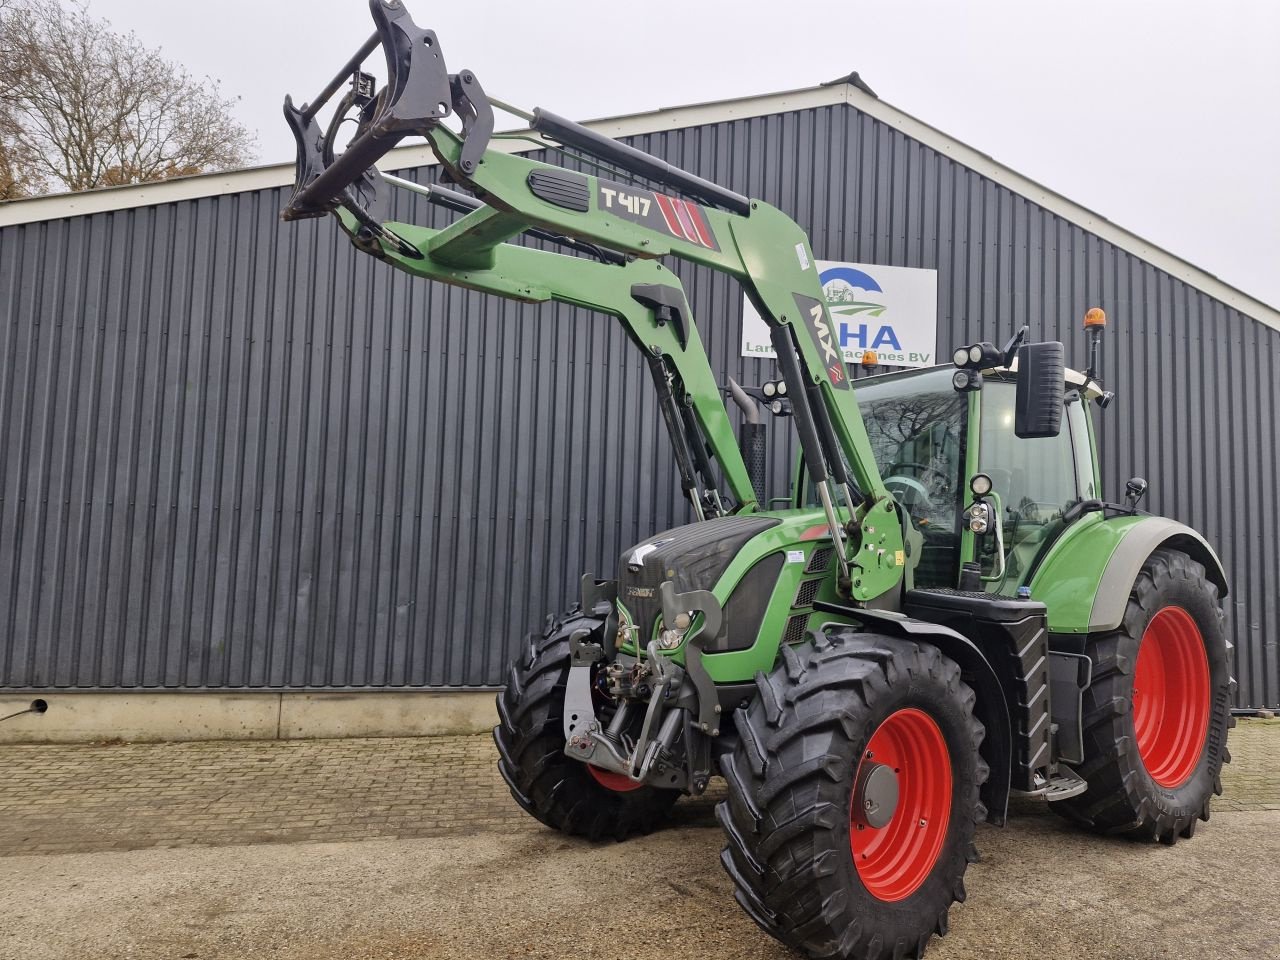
[764,250]
[757,244]
[537,276]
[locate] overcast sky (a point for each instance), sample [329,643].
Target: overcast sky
[1162,116]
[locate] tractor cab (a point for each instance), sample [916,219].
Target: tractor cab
[1036,482]
[930,440]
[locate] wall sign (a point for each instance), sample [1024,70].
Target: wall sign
[891,310]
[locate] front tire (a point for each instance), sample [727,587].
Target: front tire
[806,864]
[1157,713]
[561,792]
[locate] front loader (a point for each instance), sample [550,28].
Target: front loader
[945,613]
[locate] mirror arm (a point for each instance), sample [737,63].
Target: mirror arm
[1080,508]
[1011,348]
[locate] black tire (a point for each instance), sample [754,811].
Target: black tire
[554,789]
[1122,797]
[791,781]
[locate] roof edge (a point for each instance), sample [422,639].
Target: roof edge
[56,206]
[987,166]
[856,95]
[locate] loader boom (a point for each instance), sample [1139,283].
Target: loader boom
[633,227]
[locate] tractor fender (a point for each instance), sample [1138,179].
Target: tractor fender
[990,708]
[1137,544]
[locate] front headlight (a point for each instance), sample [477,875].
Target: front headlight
[671,637]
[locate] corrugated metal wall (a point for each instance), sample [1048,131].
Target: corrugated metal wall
[238,454]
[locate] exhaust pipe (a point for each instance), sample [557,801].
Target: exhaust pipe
[752,439]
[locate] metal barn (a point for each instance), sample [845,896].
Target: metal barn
[237,456]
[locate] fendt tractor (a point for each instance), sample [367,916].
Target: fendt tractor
[945,613]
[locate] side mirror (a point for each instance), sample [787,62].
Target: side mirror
[1133,492]
[1041,390]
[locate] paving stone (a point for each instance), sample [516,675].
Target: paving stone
[72,798]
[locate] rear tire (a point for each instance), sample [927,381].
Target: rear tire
[802,868]
[1157,713]
[561,792]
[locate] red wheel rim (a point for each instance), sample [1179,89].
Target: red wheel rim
[1171,697]
[894,860]
[617,782]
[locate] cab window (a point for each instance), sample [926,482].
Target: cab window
[1078,423]
[917,425]
[1036,480]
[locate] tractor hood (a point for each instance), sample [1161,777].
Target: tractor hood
[692,557]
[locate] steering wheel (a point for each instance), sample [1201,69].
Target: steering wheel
[924,473]
[907,491]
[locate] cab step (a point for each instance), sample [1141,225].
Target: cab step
[1065,783]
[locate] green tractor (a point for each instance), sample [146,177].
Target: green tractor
[945,613]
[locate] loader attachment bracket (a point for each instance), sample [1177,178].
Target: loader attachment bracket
[418,95]
[600,599]
[704,602]
[472,106]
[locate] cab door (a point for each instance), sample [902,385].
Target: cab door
[1034,483]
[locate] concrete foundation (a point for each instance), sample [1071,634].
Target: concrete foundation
[74,717]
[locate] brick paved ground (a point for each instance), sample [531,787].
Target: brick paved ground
[83,798]
[1251,781]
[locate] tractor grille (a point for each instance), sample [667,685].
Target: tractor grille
[796,627]
[820,560]
[808,590]
[692,557]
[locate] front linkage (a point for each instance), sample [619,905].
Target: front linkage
[679,703]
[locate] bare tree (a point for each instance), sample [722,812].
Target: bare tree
[14,180]
[82,106]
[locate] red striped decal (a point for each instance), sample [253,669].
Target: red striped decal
[686,220]
[668,214]
[704,232]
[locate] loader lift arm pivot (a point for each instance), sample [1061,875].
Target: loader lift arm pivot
[747,239]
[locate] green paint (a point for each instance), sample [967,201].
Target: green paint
[739,666]
[1068,577]
[536,276]
[766,252]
